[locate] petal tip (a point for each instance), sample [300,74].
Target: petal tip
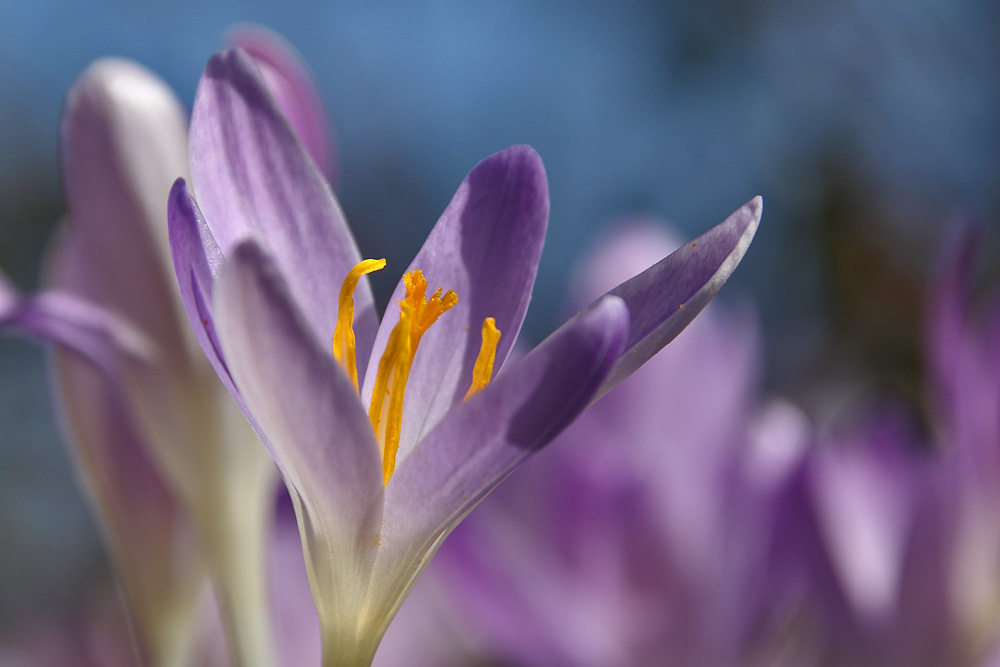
[221,63]
[118,81]
[528,158]
[756,209]
[517,170]
[519,159]
[179,207]
[179,187]
[236,68]
[110,114]
[744,221]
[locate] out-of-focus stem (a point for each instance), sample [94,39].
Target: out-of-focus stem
[237,549]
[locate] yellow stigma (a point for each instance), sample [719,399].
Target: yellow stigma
[343,335]
[416,315]
[483,370]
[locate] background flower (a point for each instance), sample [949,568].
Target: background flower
[176,477]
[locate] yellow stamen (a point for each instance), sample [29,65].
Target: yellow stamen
[483,370]
[343,335]
[416,314]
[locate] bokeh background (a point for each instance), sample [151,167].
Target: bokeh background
[863,123]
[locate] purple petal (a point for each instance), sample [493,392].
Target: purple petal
[310,417]
[665,298]
[485,247]
[481,441]
[198,263]
[290,82]
[863,514]
[252,178]
[123,142]
[81,327]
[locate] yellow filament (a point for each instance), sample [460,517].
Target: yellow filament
[343,335]
[483,370]
[416,314]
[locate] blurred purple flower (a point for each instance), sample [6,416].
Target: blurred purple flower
[260,255]
[964,358]
[678,529]
[165,454]
[896,530]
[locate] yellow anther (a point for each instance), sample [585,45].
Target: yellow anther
[343,335]
[483,370]
[416,314]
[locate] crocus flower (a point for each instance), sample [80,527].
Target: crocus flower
[378,483]
[178,479]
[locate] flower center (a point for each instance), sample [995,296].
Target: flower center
[416,315]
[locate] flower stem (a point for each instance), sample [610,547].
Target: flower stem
[340,653]
[237,548]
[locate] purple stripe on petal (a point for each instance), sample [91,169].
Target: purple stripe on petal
[486,248]
[311,418]
[252,178]
[665,298]
[290,82]
[482,440]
